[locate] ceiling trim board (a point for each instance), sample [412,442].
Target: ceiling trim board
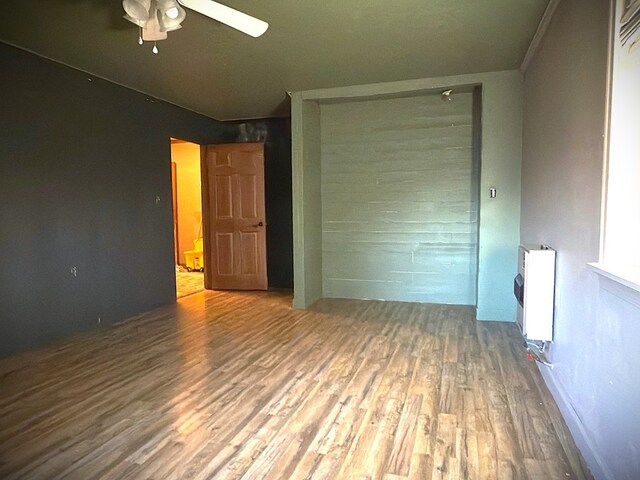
[422,86]
[252,119]
[539,35]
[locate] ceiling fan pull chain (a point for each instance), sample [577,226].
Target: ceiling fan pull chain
[155,48]
[140,41]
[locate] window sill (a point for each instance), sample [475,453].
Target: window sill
[624,275]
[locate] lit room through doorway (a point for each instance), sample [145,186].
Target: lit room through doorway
[187,217]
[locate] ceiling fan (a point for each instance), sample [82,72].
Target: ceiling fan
[157,17]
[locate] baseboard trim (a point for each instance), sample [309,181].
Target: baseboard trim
[593,460]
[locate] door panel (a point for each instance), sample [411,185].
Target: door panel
[224,201]
[234,217]
[248,196]
[250,252]
[224,253]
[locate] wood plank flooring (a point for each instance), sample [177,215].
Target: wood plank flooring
[240,386]
[188,283]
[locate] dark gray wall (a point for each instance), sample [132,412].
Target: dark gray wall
[85,183]
[595,379]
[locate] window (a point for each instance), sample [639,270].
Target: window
[621,235]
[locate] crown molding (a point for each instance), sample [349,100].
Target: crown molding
[537,38]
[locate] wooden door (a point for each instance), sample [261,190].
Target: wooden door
[235,242]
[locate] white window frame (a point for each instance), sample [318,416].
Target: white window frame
[620,228]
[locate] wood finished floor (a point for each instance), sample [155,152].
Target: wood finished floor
[239,385]
[188,283]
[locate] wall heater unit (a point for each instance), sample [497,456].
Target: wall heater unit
[534,287]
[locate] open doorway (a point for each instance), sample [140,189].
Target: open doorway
[187,217]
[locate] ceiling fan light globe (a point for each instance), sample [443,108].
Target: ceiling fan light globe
[140,23]
[171,28]
[181,15]
[172,13]
[170,9]
[137,9]
[169,24]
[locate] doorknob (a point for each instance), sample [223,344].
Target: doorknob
[259,224]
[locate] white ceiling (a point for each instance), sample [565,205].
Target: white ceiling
[215,70]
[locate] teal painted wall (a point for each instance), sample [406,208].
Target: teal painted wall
[399,206]
[500,216]
[307,203]
[501,158]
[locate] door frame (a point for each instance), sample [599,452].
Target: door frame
[174,205]
[176,245]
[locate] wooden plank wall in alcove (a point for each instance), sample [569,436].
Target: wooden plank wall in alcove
[399,199]
[501,152]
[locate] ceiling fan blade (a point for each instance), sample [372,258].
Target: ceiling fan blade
[227,15]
